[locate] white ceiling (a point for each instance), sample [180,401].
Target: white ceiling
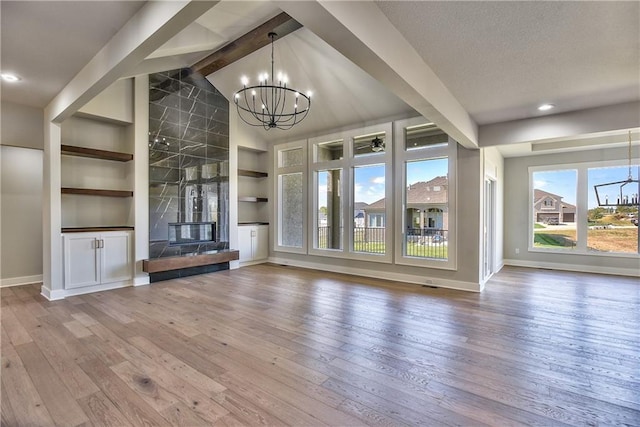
[502,59]
[499,59]
[46,43]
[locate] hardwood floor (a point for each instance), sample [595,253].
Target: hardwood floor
[274,345]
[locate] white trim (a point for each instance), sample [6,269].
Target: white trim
[397,277]
[58,294]
[19,281]
[253,262]
[598,269]
[141,280]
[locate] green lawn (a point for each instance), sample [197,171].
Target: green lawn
[554,240]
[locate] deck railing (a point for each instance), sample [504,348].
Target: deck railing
[421,243]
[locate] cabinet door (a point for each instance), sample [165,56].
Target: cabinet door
[115,257]
[244,243]
[261,242]
[81,260]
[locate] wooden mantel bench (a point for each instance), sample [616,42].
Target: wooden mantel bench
[157,265]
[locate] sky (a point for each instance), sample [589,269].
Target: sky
[370,180]
[563,183]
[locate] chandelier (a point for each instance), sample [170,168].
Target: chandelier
[623,193]
[271,105]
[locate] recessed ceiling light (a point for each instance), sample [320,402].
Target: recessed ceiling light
[546,107]
[8,77]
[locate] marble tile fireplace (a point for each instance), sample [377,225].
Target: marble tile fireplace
[188,168]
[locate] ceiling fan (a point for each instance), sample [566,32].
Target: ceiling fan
[376,145]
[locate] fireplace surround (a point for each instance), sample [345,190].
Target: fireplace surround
[188,169]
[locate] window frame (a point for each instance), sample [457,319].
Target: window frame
[402,156]
[582,206]
[277,212]
[348,162]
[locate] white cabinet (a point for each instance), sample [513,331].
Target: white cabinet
[253,243]
[92,259]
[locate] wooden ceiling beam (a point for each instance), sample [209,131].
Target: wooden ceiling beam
[255,39]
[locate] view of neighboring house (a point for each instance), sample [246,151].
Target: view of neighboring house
[358,213]
[549,208]
[426,206]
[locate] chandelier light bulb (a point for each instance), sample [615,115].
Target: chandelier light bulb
[237,96]
[263,106]
[309,93]
[297,95]
[253,93]
[244,80]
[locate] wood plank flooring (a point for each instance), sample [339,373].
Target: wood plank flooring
[275,345]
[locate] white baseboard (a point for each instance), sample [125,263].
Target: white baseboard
[397,277]
[574,267]
[58,294]
[246,263]
[19,281]
[141,280]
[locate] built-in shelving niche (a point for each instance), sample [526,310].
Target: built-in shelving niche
[97,174]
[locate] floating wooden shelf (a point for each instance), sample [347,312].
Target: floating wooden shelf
[94,192]
[157,265]
[92,153]
[94,229]
[252,174]
[253,199]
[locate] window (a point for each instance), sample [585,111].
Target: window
[350,185]
[612,228]
[329,226]
[290,207]
[566,214]
[554,209]
[369,190]
[426,233]
[427,208]
[291,212]
[337,192]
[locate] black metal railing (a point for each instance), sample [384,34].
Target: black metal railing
[419,242]
[365,239]
[427,243]
[369,239]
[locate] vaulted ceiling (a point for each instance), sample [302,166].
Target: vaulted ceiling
[496,60]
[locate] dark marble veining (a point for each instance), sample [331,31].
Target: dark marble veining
[188,159]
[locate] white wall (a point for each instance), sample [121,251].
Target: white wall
[22,126]
[114,103]
[21,215]
[516,213]
[21,194]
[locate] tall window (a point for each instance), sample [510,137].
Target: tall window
[329,224]
[426,226]
[613,228]
[554,209]
[291,197]
[566,214]
[369,189]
